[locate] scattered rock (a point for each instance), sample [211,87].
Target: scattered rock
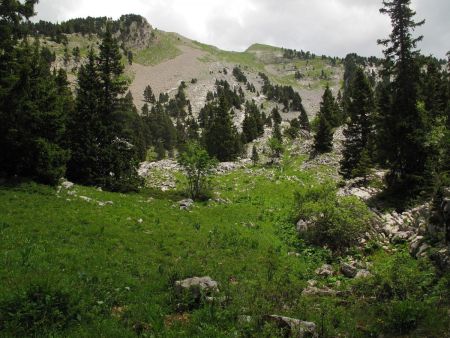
[442,259]
[87,199]
[315,291]
[244,319]
[363,274]
[196,287]
[186,204]
[303,226]
[401,237]
[423,250]
[67,185]
[325,270]
[296,254]
[295,327]
[103,203]
[348,270]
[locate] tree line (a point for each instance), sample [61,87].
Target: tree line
[399,122]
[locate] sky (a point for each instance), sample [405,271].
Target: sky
[330,27]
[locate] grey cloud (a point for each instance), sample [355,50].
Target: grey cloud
[325,27]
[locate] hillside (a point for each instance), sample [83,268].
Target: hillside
[155,186]
[162,60]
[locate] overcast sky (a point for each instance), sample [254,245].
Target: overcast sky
[331,27]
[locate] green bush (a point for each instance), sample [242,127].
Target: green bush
[36,311]
[335,221]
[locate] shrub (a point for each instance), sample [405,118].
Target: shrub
[336,222]
[198,166]
[38,310]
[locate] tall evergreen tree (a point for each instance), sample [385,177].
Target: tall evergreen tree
[149,97]
[33,118]
[329,108]
[323,140]
[358,126]
[220,136]
[84,126]
[405,143]
[107,135]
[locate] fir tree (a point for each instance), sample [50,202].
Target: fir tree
[363,166]
[33,118]
[220,135]
[358,127]
[323,140]
[84,126]
[329,107]
[276,117]
[404,145]
[255,155]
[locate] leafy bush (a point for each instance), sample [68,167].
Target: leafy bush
[198,166]
[335,221]
[38,310]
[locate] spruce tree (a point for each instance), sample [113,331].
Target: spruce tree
[304,120]
[405,143]
[220,136]
[358,126]
[33,117]
[329,108]
[323,140]
[85,125]
[255,155]
[149,97]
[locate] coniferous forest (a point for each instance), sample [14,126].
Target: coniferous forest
[155,186]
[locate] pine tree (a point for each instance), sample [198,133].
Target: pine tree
[276,117]
[84,126]
[255,155]
[363,166]
[329,109]
[304,120]
[323,140]
[276,132]
[149,97]
[33,118]
[107,135]
[358,126]
[404,144]
[220,135]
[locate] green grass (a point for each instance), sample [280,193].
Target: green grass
[263,48]
[163,48]
[245,59]
[107,259]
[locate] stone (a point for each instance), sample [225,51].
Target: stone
[67,185]
[363,274]
[442,259]
[401,237]
[315,291]
[186,204]
[243,319]
[415,245]
[87,199]
[348,270]
[303,226]
[295,254]
[423,250]
[295,328]
[325,270]
[197,286]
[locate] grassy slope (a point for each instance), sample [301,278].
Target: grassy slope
[106,259]
[164,47]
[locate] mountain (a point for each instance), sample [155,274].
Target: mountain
[163,59]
